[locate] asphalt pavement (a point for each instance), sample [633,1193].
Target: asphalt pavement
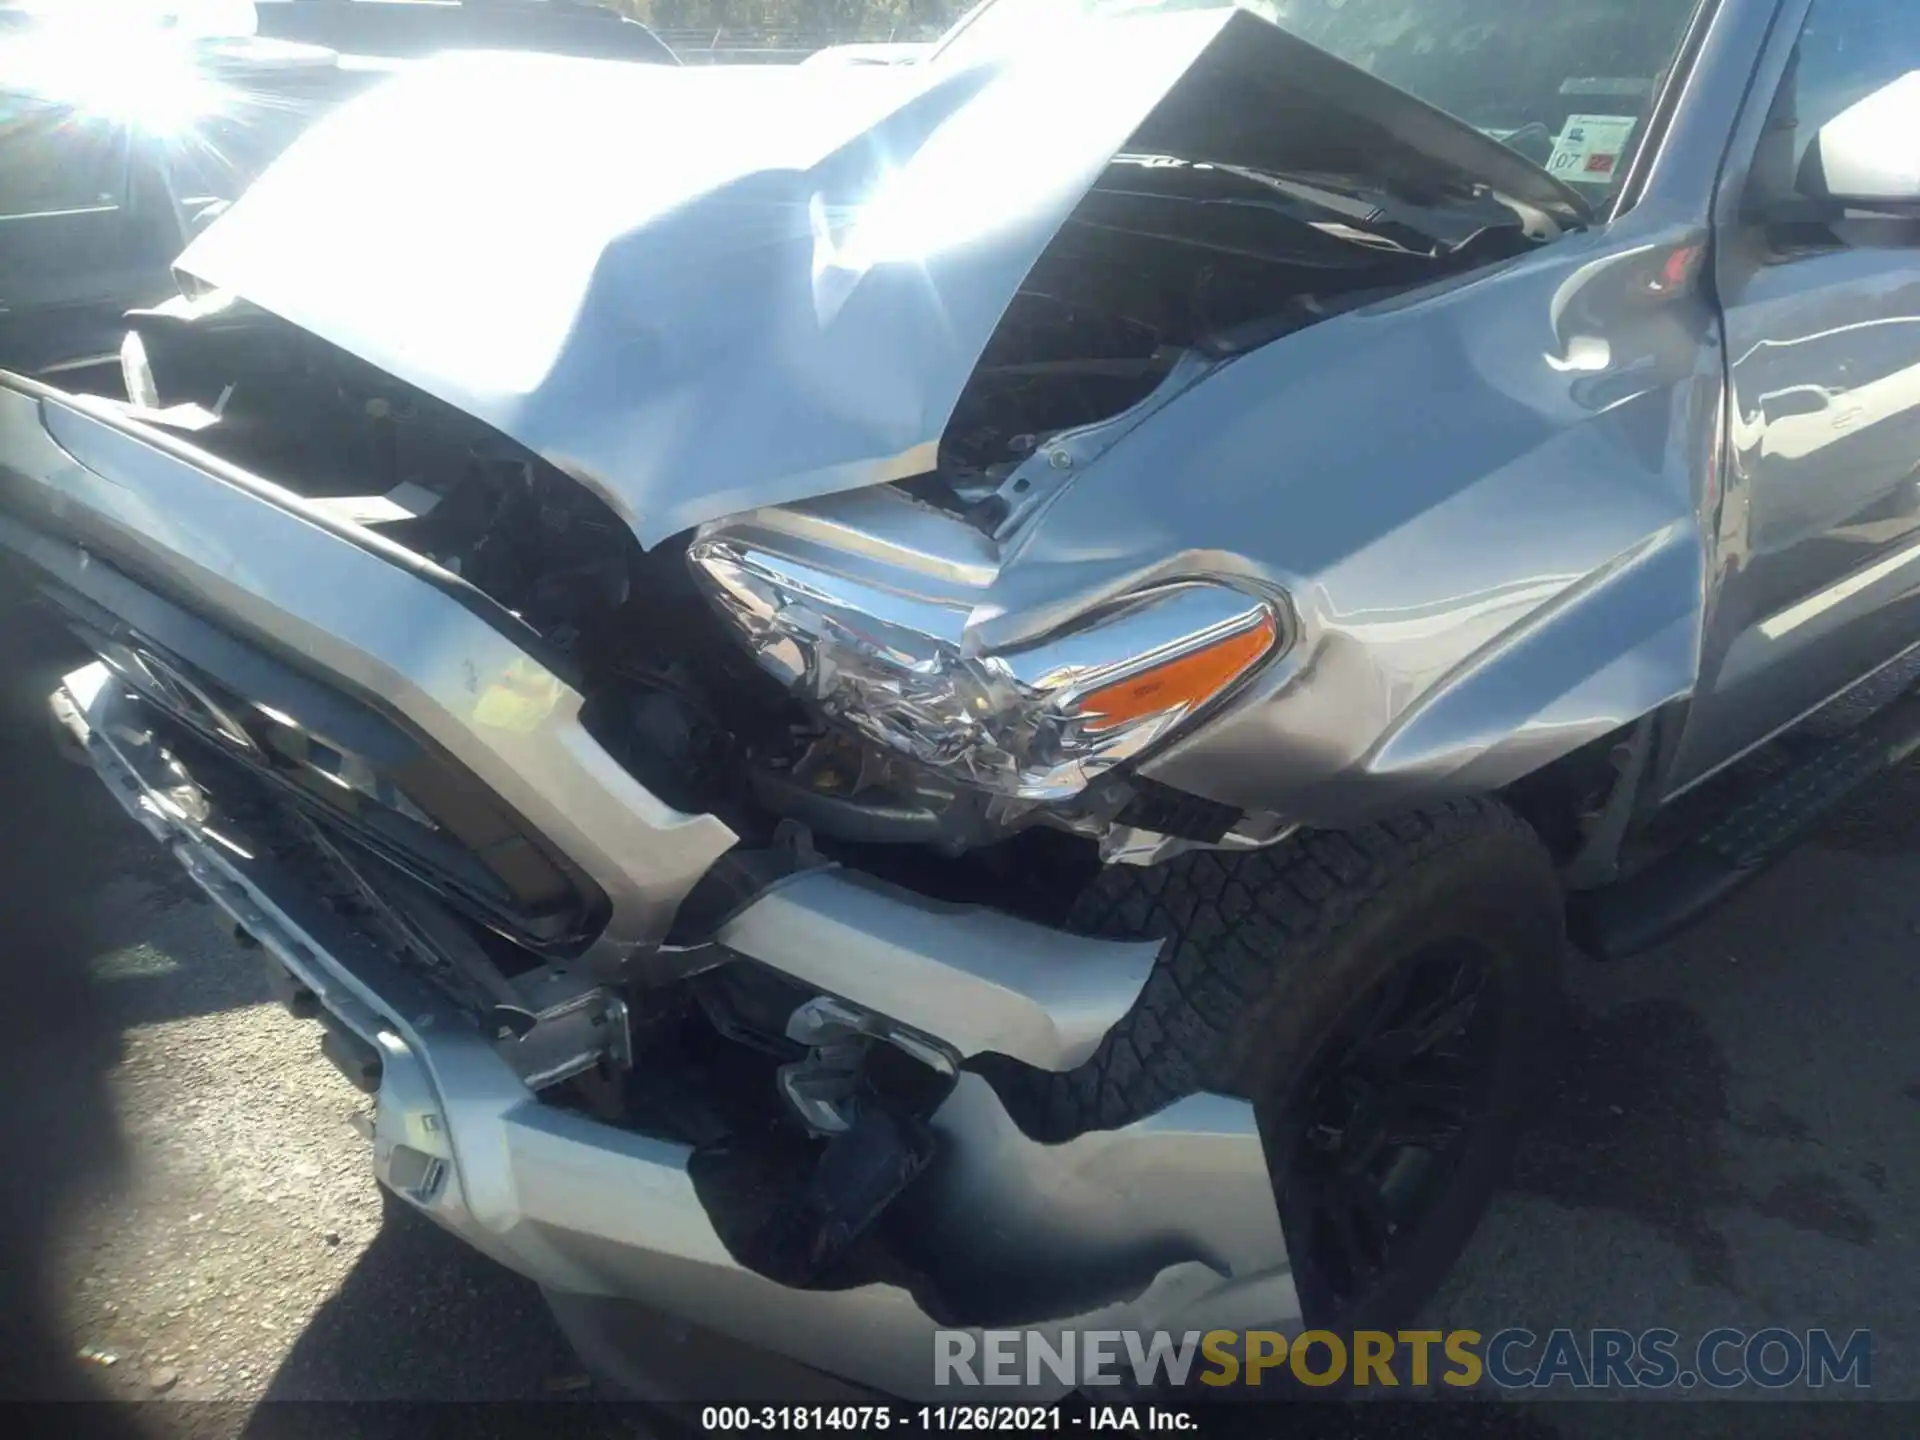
[188,1215]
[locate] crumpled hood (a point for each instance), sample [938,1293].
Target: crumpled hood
[707,289]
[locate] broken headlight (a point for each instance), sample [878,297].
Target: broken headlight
[1038,723]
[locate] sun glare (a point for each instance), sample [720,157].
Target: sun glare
[145,76]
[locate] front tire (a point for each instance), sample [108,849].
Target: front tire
[1384,996]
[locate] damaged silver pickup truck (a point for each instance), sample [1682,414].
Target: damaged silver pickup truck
[983,693]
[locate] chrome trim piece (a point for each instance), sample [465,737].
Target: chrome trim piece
[980,980]
[1168,1223]
[369,624]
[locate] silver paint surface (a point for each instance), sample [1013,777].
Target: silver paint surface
[1813,537]
[1167,1223]
[983,981]
[1512,513]
[1480,503]
[381,631]
[784,301]
[1477,504]
[1494,505]
[1499,508]
[788,299]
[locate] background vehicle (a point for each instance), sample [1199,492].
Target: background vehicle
[116,143]
[94,204]
[413,29]
[932,720]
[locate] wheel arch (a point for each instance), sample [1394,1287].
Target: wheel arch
[1616,648]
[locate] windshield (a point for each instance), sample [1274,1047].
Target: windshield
[1567,83]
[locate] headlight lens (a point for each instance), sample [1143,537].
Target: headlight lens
[1040,723]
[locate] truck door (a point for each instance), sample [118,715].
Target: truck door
[1816,534]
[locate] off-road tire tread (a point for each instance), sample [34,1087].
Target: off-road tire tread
[1236,927]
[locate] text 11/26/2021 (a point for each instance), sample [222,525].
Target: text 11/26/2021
[930,1419]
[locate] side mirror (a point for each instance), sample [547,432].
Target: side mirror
[1868,156]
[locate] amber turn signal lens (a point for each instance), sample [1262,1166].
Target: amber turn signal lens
[1188,681]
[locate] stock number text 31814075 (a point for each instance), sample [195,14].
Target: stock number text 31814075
[926,1419]
[907,1419]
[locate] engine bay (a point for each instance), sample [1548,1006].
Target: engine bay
[1167,267]
[1169,257]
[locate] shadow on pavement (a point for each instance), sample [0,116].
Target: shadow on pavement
[423,1317]
[57,1125]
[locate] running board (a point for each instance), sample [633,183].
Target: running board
[1669,895]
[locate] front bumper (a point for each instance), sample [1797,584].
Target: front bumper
[1168,1223]
[588,1210]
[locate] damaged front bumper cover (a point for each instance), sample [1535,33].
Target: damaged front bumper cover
[1169,1222]
[1176,1208]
